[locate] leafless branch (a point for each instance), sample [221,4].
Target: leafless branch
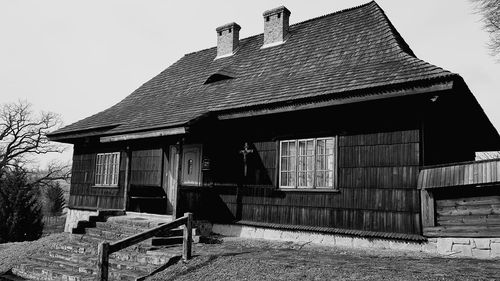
[54,171]
[24,133]
[490,13]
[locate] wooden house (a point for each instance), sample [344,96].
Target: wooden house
[321,125]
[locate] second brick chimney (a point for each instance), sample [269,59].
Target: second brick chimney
[276,26]
[228,39]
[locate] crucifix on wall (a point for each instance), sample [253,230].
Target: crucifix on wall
[245,151]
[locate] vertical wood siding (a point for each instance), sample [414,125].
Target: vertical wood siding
[377,179]
[146,167]
[146,171]
[83,194]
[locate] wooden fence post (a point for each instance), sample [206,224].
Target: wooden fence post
[187,237]
[102,261]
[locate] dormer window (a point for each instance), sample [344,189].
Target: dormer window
[219,76]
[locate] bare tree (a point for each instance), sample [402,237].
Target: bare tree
[23,134]
[490,12]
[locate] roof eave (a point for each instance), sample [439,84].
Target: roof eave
[356,96]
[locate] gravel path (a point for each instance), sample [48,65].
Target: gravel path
[239,259]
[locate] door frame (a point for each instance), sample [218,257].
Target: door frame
[170,173]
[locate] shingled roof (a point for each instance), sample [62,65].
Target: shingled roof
[354,49]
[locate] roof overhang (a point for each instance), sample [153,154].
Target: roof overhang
[367,95]
[144,135]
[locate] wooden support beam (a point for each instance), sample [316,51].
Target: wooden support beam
[143,135]
[428,208]
[187,238]
[179,177]
[103,261]
[126,182]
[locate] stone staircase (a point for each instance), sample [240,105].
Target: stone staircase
[77,259]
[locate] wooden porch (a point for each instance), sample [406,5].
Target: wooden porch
[461,200]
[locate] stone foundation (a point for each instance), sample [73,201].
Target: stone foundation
[74,216]
[460,247]
[482,248]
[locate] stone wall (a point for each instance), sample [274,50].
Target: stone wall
[460,247]
[482,248]
[74,216]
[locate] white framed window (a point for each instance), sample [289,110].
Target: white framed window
[308,163]
[107,169]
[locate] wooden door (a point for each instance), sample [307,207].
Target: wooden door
[191,165]
[171,176]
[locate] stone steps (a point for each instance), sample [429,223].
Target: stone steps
[77,259]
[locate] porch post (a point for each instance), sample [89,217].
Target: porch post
[126,182]
[179,178]
[427,206]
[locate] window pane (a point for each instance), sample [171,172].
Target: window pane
[101,171]
[320,147]
[292,179]
[105,169]
[284,179]
[292,149]
[309,166]
[329,146]
[330,162]
[284,148]
[318,162]
[301,163]
[309,179]
[114,175]
[320,179]
[329,179]
[284,164]
[115,170]
[310,147]
[302,148]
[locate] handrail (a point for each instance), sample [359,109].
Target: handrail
[105,248]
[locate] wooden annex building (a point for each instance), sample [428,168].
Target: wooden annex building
[324,125]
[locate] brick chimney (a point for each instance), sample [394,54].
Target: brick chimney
[228,39]
[275,26]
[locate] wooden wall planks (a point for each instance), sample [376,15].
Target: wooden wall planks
[377,179]
[83,193]
[462,211]
[146,170]
[460,174]
[146,167]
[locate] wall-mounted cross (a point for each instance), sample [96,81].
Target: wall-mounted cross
[245,151]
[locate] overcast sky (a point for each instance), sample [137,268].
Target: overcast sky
[77,58]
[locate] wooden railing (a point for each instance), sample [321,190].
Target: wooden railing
[105,248]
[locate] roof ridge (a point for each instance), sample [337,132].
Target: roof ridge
[298,23]
[399,39]
[336,12]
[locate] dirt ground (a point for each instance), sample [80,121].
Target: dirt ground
[246,259]
[240,259]
[13,253]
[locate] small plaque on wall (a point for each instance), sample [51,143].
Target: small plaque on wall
[205,164]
